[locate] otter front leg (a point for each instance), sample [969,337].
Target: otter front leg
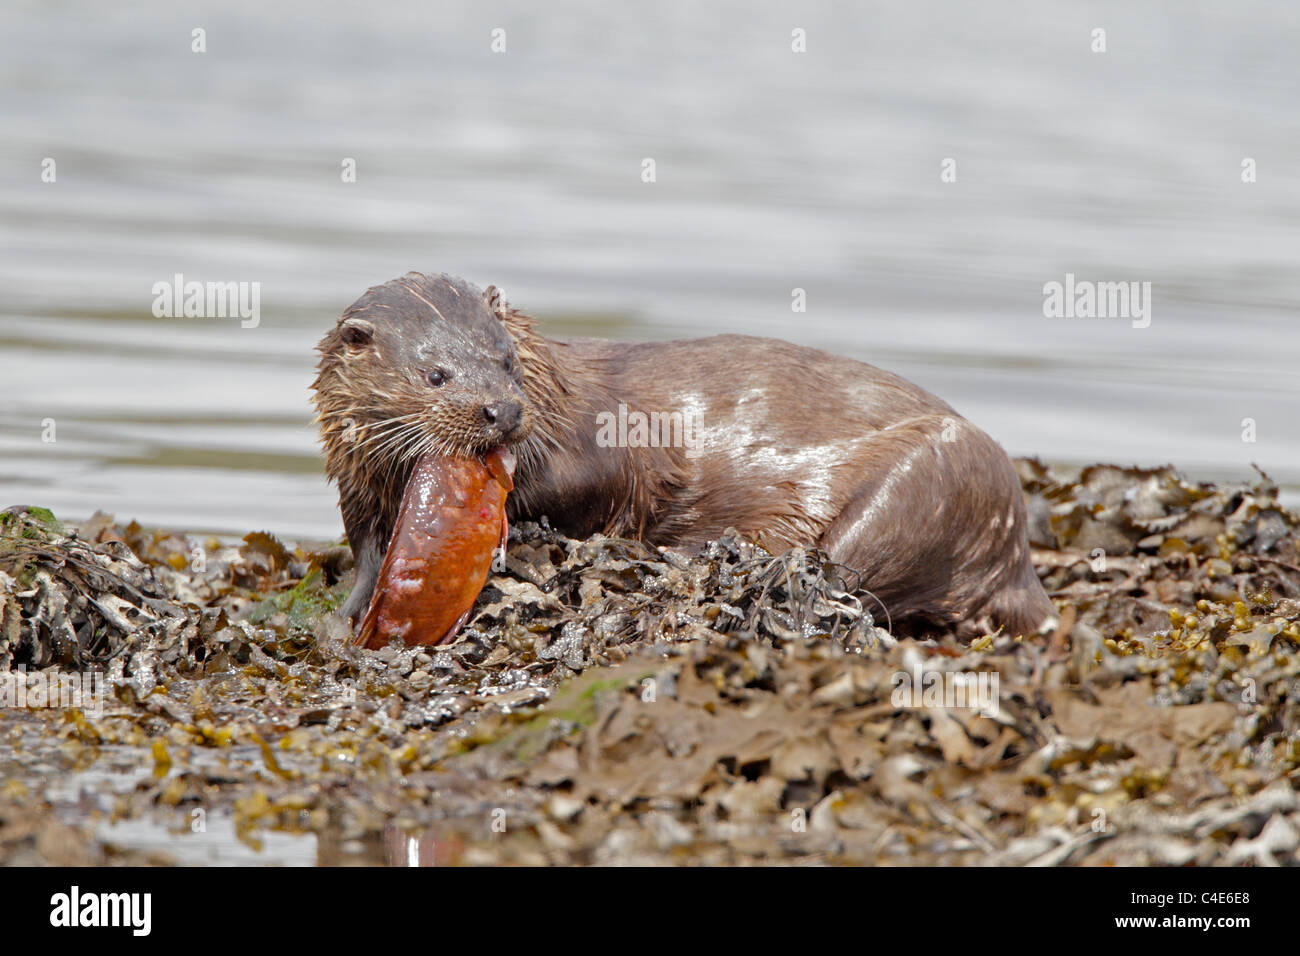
[368,560]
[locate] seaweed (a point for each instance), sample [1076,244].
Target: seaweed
[610,701]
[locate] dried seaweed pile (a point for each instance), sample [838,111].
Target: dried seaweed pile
[1127,546]
[613,703]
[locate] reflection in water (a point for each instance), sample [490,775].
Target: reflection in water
[421,848]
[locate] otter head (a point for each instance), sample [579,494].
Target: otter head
[417,365]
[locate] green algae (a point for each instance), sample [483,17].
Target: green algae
[304,605]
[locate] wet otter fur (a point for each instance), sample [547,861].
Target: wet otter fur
[792,446]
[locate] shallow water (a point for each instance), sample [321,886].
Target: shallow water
[775,171]
[216,845]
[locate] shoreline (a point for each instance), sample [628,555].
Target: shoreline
[613,703]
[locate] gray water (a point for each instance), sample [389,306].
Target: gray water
[775,170]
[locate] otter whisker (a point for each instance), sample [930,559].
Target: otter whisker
[397,435]
[385,422]
[399,447]
[382,443]
[394,428]
[391,449]
[393,453]
[429,442]
[376,431]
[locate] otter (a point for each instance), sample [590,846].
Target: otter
[791,446]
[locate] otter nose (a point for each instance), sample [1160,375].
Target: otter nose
[504,416]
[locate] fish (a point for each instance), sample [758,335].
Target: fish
[451,521]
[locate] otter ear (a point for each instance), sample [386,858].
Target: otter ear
[496,302]
[517,323]
[356,331]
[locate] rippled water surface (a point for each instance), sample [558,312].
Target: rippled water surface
[775,171]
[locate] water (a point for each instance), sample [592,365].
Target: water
[218,844]
[775,171]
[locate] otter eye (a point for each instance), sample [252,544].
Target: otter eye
[436,377]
